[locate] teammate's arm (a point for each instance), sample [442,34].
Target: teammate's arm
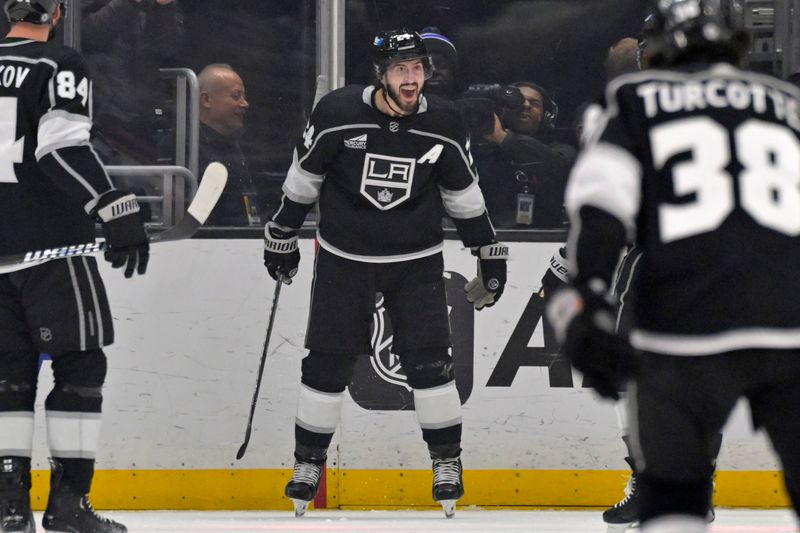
[65,154]
[603,198]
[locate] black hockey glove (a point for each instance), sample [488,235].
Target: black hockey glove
[281,254]
[126,240]
[487,287]
[555,277]
[583,321]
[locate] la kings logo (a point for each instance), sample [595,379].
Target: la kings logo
[386,181]
[379,382]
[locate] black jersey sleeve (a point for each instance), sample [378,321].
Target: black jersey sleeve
[63,149]
[312,155]
[458,185]
[604,191]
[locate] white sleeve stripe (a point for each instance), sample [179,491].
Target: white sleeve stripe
[452,142]
[301,186]
[323,133]
[59,129]
[75,175]
[468,203]
[609,178]
[60,113]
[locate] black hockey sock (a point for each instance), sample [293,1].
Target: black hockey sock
[77,473]
[445,451]
[661,497]
[311,447]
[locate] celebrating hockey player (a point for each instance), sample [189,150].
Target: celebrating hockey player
[52,190]
[698,164]
[381,162]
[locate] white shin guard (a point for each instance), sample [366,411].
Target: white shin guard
[439,407]
[317,411]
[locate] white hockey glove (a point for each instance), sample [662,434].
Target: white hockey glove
[126,240]
[487,287]
[281,253]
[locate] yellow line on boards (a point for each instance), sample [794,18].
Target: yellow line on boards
[385,489]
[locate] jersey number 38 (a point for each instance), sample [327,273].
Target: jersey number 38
[768,183]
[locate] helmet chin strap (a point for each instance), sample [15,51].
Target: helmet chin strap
[390,101]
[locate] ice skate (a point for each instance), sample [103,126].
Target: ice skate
[15,500]
[303,486]
[625,513]
[70,511]
[448,485]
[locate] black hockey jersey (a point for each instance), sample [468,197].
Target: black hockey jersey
[703,169]
[49,176]
[381,182]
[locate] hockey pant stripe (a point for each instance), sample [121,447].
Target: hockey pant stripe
[73,435]
[17,436]
[438,407]
[319,412]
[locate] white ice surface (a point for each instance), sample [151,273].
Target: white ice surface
[466,521]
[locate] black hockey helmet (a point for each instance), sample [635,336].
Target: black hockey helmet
[398,45]
[35,11]
[679,31]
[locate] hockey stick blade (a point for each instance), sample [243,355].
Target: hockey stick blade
[208,193]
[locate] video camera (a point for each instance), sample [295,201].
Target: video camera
[481,102]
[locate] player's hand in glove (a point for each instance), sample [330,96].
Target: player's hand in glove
[487,287]
[584,322]
[281,254]
[126,240]
[555,277]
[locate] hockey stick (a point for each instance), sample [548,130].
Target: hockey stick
[208,192]
[243,447]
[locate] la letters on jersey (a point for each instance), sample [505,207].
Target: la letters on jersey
[672,97]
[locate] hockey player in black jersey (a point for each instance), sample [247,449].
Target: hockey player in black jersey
[383,163]
[698,163]
[52,190]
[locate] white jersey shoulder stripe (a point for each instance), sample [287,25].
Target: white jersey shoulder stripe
[609,178]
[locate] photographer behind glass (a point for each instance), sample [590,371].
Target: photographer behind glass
[523,169]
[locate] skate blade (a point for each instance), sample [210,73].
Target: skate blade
[449,507]
[621,528]
[300,507]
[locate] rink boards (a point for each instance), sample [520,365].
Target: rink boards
[183,370]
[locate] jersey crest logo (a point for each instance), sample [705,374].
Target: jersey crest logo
[357,143]
[386,181]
